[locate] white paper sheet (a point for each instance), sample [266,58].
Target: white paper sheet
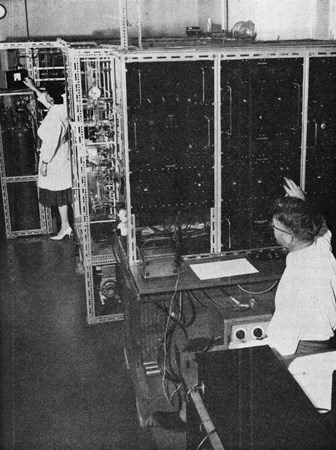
[314,375]
[220,269]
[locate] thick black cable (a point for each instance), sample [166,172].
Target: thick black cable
[213,302]
[174,319]
[193,312]
[165,366]
[190,293]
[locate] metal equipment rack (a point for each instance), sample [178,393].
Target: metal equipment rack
[98,174]
[277,71]
[16,184]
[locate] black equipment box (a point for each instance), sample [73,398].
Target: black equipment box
[15,79]
[254,403]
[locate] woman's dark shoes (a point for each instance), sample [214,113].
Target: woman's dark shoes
[170,421]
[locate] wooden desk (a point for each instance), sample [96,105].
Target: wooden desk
[147,301]
[269,266]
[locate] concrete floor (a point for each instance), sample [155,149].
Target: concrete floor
[64,383]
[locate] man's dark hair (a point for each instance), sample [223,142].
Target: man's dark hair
[298,217]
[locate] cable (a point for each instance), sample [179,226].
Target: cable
[193,312]
[237,304]
[26,14]
[196,387]
[213,302]
[211,343]
[164,362]
[190,293]
[175,391]
[260,292]
[205,438]
[165,335]
[166,311]
[181,320]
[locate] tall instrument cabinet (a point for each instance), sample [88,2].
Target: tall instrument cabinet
[208,134]
[211,134]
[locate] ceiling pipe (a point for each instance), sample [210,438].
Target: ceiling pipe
[225,15]
[26,15]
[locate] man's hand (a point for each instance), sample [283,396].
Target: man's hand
[293,190]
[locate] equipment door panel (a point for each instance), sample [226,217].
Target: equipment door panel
[261,143]
[171,153]
[18,129]
[23,206]
[321,137]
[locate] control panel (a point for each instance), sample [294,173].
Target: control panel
[242,331]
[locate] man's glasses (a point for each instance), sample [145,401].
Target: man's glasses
[279,229]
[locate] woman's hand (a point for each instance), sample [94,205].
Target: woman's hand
[293,190]
[43,169]
[29,83]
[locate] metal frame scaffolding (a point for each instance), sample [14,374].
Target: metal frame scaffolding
[84,65]
[31,50]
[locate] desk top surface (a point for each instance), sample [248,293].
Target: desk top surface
[269,266]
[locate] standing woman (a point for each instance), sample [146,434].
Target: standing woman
[55,175]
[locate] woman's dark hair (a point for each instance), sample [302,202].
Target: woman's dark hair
[298,217]
[55,89]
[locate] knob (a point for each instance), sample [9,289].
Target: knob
[240,334]
[257,332]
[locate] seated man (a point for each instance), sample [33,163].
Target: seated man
[304,320]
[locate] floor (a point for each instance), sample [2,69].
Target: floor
[64,383]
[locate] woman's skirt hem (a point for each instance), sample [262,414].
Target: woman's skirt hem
[55,198]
